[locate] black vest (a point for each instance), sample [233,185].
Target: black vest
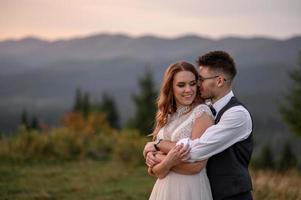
[228,171]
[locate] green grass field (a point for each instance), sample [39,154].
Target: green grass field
[73,180]
[90,179]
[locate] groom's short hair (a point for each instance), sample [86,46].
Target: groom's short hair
[220,61]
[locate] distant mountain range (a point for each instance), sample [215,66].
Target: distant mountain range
[42,76]
[36,52]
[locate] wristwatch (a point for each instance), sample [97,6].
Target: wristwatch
[157,143]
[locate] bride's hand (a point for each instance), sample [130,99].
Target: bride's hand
[151,160]
[176,155]
[160,155]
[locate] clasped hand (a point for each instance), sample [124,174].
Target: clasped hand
[175,156]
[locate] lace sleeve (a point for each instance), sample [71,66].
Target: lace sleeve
[200,110]
[160,134]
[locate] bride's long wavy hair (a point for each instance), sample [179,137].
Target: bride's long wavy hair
[166,103]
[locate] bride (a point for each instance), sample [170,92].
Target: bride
[181,114]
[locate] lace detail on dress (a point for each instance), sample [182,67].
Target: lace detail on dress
[180,124]
[182,110]
[200,110]
[183,132]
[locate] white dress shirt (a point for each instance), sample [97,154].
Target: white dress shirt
[235,125]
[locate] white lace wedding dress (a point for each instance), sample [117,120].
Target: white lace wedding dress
[178,186]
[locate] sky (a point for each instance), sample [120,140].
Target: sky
[57,19]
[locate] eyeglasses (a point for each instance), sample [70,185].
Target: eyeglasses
[211,77]
[206,78]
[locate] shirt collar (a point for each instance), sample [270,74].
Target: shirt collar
[223,101]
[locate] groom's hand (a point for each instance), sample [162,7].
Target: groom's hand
[177,154]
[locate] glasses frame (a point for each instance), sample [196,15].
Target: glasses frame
[200,78]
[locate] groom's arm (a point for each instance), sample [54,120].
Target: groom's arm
[199,126]
[235,126]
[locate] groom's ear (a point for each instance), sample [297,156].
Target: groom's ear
[220,81]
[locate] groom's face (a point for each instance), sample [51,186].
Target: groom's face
[207,82]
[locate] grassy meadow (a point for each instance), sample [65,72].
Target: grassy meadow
[85,179]
[90,160]
[102,180]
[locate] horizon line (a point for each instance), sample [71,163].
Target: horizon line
[81,36]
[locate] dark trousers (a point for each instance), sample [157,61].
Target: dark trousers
[243,196]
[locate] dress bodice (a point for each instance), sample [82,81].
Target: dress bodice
[180,123]
[178,186]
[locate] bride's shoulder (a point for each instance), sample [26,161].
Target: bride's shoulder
[201,108]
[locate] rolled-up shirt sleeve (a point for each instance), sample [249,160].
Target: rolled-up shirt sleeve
[235,125]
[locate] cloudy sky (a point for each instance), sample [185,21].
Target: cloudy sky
[52,19]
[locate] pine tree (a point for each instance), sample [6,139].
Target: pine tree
[24,119]
[86,105]
[78,102]
[144,102]
[265,159]
[288,159]
[108,106]
[291,111]
[34,123]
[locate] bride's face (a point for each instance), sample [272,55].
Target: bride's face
[184,88]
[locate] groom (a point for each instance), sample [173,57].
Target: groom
[228,144]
